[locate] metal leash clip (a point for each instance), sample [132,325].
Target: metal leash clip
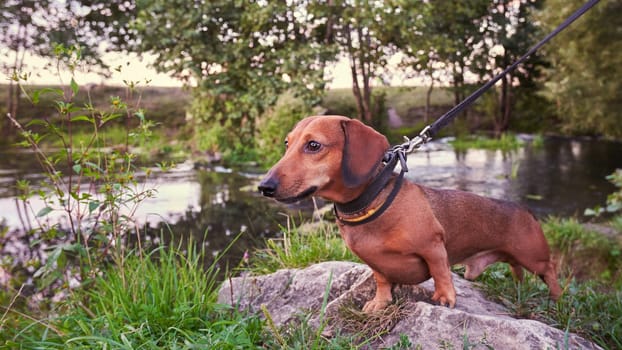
[410,145]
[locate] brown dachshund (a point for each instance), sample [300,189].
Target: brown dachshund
[422,232]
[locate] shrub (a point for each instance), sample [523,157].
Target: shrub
[89,186]
[274,125]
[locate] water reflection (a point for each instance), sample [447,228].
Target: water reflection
[563,177]
[226,205]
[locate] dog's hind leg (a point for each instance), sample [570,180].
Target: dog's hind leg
[550,278]
[546,270]
[477,263]
[517,271]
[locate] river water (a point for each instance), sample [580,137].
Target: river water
[563,177]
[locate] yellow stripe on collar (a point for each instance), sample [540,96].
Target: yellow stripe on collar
[367,214]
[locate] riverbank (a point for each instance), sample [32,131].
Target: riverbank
[173,132]
[94,286]
[166,300]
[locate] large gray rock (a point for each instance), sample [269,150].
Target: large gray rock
[287,294]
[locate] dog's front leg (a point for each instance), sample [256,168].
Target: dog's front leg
[438,264]
[383,295]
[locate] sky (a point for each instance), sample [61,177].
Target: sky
[131,69]
[135,69]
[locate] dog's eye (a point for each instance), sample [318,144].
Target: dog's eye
[313,146]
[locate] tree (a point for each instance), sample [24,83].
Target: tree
[510,32]
[363,31]
[585,78]
[442,39]
[240,54]
[34,26]
[20,34]
[453,39]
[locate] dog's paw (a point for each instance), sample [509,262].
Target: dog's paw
[445,299]
[375,305]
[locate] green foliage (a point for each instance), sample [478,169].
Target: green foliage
[300,247]
[231,137]
[614,200]
[507,142]
[584,253]
[274,125]
[433,39]
[339,102]
[584,308]
[241,54]
[163,300]
[405,100]
[21,29]
[585,75]
[363,33]
[93,190]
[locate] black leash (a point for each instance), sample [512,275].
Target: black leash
[431,130]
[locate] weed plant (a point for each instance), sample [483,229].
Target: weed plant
[585,254]
[164,299]
[505,143]
[90,187]
[301,246]
[90,194]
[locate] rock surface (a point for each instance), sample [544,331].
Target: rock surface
[474,323]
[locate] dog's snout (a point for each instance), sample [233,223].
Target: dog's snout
[268,186]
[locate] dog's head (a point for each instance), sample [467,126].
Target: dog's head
[332,157]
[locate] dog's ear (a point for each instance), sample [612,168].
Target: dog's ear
[363,150]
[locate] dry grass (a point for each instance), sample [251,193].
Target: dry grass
[351,319]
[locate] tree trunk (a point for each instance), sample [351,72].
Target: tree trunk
[14,90]
[502,118]
[356,90]
[428,100]
[500,115]
[365,74]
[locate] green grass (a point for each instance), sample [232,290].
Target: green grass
[164,104]
[403,99]
[167,300]
[155,143]
[301,247]
[586,254]
[585,308]
[161,301]
[506,143]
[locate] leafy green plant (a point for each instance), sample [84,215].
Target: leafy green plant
[164,299]
[614,200]
[584,253]
[585,308]
[300,247]
[274,125]
[507,142]
[93,189]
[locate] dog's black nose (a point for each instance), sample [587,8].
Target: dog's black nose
[268,186]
